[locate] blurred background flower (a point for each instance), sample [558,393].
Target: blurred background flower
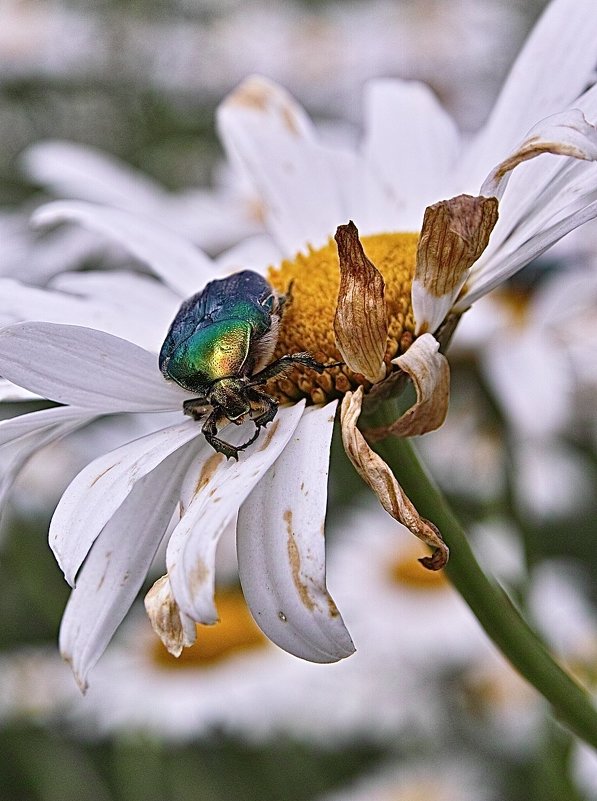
[113,102]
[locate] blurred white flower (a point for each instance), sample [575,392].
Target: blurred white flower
[415,616]
[34,685]
[445,777]
[559,602]
[477,471]
[537,353]
[501,712]
[461,49]
[234,680]
[213,219]
[34,257]
[562,605]
[584,769]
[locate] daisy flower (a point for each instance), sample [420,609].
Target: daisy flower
[394,300]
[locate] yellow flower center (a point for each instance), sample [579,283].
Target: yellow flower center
[308,319]
[236,631]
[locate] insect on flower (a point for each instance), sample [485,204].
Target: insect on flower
[220,345]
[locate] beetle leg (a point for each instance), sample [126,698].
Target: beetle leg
[266,409]
[285,363]
[210,432]
[196,408]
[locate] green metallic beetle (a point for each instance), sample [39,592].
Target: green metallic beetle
[220,345]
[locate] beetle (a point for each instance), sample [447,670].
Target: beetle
[220,346]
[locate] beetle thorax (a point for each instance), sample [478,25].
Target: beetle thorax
[308,321]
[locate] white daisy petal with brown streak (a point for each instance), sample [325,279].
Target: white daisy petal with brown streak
[281,547]
[220,487]
[564,134]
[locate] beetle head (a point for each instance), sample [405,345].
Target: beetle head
[229,394]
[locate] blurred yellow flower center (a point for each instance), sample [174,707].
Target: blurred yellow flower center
[406,571]
[308,319]
[517,302]
[235,632]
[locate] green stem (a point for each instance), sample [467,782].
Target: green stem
[490,604]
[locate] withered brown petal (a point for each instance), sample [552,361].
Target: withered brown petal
[455,233]
[360,323]
[430,373]
[172,627]
[376,473]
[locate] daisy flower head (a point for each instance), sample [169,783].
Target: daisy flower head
[384,306]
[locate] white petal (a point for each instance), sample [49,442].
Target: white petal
[281,547]
[87,368]
[532,381]
[181,265]
[24,424]
[270,136]
[11,392]
[117,566]
[496,269]
[125,305]
[16,453]
[96,493]
[551,71]
[365,199]
[72,170]
[219,490]
[411,143]
[121,288]
[255,253]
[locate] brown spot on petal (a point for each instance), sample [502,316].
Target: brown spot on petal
[102,474]
[294,558]
[270,431]
[251,94]
[198,576]
[257,95]
[290,121]
[208,470]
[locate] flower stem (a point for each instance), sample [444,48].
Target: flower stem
[488,601]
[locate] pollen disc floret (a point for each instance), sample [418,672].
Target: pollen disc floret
[308,320]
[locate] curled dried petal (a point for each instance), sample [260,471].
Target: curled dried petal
[376,473]
[430,373]
[175,629]
[564,134]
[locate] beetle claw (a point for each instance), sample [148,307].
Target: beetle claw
[195,408]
